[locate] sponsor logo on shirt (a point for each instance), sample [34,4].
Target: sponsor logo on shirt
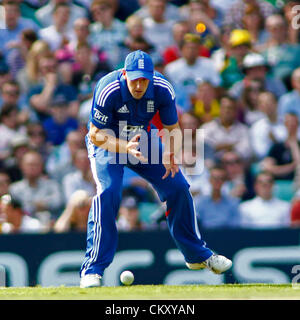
[123,109]
[100,117]
[126,130]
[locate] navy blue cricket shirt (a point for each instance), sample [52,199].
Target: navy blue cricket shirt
[115,108]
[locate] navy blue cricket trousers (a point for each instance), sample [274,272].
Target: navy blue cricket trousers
[102,234]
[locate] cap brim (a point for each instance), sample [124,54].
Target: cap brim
[245,68]
[133,75]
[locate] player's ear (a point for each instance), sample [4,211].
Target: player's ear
[124,73]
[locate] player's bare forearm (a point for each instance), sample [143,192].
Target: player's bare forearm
[278,170]
[102,139]
[172,139]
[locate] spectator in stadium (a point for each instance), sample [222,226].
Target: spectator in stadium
[135,39]
[80,54]
[75,215]
[81,30]
[17,56]
[86,70]
[81,35]
[221,55]
[84,108]
[45,17]
[290,13]
[37,139]
[226,133]
[189,121]
[239,45]
[29,75]
[59,124]
[124,9]
[36,193]
[9,128]
[29,7]
[206,104]
[255,68]
[239,182]
[197,159]
[16,219]
[5,74]
[129,215]
[282,56]
[276,27]
[5,182]
[295,210]
[192,166]
[158,29]
[173,52]
[208,9]
[284,157]
[61,159]
[15,24]
[291,100]
[138,187]
[253,21]
[196,156]
[50,85]
[18,147]
[10,93]
[58,34]
[217,210]
[81,178]
[46,81]
[171,12]
[248,111]
[234,15]
[269,129]
[265,211]
[107,32]
[210,31]
[184,72]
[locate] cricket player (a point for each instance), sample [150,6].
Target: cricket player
[120,134]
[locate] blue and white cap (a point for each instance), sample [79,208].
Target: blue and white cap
[138,64]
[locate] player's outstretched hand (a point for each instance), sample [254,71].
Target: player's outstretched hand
[170,165]
[132,148]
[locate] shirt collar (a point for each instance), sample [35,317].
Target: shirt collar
[261,200]
[126,95]
[296,93]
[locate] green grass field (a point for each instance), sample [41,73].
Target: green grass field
[155,292]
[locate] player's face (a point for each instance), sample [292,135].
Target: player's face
[137,87]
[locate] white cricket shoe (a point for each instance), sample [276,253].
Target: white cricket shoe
[215,263]
[90,280]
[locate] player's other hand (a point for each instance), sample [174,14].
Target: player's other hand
[132,148]
[170,165]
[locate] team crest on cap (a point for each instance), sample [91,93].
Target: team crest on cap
[141,64]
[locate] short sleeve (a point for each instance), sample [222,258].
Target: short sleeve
[166,98]
[275,151]
[104,99]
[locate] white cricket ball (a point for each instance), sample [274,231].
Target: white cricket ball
[127,277]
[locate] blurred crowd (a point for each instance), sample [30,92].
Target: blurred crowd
[235,69]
